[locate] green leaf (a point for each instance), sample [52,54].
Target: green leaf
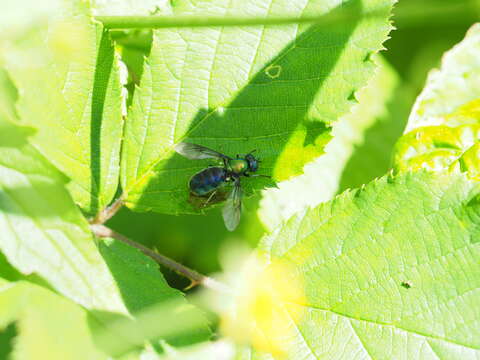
[70,92]
[130,7]
[218,350]
[8,97]
[43,231]
[323,177]
[18,16]
[448,90]
[47,325]
[387,272]
[373,157]
[159,312]
[276,89]
[6,339]
[247,353]
[443,131]
[36,209]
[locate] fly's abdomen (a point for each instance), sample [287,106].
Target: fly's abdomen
[207,180]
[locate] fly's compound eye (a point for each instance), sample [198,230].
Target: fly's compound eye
[252,162]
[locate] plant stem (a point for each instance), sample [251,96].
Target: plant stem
[107,213]
[409,15]
[157,22]
[197,279]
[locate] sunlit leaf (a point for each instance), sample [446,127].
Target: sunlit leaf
[388,272]
[130,7]
[275,89]
[449,89]
[19,16]
[379,109]
[8,97]
[443,131]
[43,232]
[48,326]
[70,91]
[218,350]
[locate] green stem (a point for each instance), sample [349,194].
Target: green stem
[408,14]
[158,22]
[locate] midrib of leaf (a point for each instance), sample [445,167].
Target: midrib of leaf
[374,322]
[300,332]
[359,338]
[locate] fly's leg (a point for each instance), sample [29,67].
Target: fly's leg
[258,175]
[209,198]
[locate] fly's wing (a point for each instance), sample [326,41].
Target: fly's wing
[195,152]
[233,208]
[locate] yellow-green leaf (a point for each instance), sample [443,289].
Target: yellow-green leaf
[445,122]
[390,271]
[69,90]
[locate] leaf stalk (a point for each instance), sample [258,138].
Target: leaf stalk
[159,22]
[107,213]
[196,278]
[410,15]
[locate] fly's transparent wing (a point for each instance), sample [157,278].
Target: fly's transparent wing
[233,208]
[194,152]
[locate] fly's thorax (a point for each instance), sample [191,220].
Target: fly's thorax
[238,166]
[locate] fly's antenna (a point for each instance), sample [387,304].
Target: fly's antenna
[251,152]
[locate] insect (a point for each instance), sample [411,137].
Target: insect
[208,181]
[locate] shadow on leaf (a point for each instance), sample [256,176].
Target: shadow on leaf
[272,114]
[154,306]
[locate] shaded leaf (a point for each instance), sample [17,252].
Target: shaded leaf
[7,336]
[159,312]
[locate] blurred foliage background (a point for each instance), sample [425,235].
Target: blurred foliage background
[425,29]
